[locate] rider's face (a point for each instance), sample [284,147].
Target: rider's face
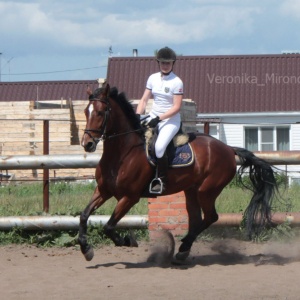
[165,67]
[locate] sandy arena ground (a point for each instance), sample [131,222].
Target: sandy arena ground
[226,269]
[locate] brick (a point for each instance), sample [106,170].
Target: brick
[179,205]
[158,206]
[170,226]
[153,213]
[162,219]
[163,200]
[183,218]
[168,212]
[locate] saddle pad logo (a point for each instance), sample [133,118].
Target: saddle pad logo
[184,156]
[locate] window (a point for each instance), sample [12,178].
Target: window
[251,139]
[267,138]
[213,130]
[267,141]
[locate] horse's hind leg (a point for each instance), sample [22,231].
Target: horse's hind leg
[196,202]
[96,201]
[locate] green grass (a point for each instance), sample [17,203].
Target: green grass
[72,198]
[235,200]
[65,199]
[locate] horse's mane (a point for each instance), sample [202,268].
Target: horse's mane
[125,105]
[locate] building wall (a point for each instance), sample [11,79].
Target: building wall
[231,132]
[21,133]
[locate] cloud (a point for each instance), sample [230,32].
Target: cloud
[100,28]
[291,8]
[172,26]
[68,32]
[28,22]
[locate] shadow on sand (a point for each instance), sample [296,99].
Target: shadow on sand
[221,254]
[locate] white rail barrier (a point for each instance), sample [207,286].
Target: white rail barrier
[67,222]
[73,161]
[85,160]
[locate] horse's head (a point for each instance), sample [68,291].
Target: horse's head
[96,113]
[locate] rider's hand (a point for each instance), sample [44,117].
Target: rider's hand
[153,122]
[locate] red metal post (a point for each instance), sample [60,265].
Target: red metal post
[46,171]
[206,127]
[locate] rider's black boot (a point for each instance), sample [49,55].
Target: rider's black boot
[159,185]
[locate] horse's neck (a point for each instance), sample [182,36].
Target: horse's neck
[118,150]
[121,135]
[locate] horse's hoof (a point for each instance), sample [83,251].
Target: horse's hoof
[89,254]
[130,241]
[181,256]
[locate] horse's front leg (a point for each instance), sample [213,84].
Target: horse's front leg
[96,201]
[122,207]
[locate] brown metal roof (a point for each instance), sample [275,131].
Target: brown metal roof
[220,84]
[45,90]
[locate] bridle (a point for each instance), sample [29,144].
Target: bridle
[102,130]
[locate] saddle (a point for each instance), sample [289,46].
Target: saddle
[179,150]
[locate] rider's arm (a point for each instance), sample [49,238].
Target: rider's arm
[143,102]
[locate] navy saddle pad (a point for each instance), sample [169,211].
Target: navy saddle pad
[183,156]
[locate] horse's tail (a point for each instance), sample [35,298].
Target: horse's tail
[264,187]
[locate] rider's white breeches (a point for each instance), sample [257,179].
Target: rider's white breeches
[167,130]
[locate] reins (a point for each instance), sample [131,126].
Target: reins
[127,132]
[102,130]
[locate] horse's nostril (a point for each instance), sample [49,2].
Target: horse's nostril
[90,147]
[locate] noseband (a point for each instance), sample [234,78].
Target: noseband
[102,130]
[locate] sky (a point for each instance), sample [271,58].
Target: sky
[72,40]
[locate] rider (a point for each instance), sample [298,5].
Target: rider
[167,91]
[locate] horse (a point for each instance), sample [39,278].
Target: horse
[124,172]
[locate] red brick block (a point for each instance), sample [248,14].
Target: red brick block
[168,212]
[158,206]
[158,220]
[178,205]
[153,213]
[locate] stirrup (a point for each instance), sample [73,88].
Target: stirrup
[154,182]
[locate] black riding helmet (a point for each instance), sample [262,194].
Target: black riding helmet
[166,54]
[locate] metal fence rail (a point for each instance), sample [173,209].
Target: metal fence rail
[129,221]
[24,162]
[47,162]
[76,161]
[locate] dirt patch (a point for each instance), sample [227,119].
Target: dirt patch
[226,269]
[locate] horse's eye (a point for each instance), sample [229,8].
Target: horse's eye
[100,113]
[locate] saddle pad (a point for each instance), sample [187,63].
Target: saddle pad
[182,157]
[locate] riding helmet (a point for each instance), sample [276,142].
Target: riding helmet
[166,54]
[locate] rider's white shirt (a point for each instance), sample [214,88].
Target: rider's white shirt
[163,87]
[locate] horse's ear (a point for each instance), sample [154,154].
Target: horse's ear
[89,91]
[107,89]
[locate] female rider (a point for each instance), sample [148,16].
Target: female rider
[167,91]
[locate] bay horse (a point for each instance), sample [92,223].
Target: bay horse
[124,172]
